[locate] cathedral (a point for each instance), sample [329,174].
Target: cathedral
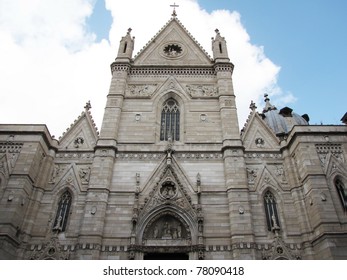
[171,175]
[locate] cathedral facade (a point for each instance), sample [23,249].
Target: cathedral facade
[171,175]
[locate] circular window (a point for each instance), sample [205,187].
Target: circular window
[172,50]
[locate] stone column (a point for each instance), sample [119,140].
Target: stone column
[91,235]
[235,168]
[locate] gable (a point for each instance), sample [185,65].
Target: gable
[258,136]
[173,45]
[82,135]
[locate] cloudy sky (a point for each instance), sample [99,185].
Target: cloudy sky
[56,55]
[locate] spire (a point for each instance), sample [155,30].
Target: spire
[219,48]
[268,107]
[174,14]
[126,47]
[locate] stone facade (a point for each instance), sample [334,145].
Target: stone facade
[170,174]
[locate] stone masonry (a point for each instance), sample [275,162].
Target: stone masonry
[170,174]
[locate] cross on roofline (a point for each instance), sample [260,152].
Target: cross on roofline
[174,9]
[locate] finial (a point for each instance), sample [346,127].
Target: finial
[129,30]
[217,31]
[252,106]
[88,106]
[174,14]
[268,106]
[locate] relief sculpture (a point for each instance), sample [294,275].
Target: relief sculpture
[166,227]
[141,90]
[202,90]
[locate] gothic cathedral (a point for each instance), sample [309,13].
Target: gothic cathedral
[171,175]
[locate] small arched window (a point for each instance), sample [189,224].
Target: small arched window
[271,211]
[342,191]
[63,210]
[170,121]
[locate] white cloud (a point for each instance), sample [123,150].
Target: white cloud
[50,65]
[254,73]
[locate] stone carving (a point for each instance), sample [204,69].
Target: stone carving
[166,227]
[140,156]
[198,156]
[280,173]
[141,90]
[202,90]
[172,50]
[78,142]
[262,155]
[205,72]
[137,117]
[168,190]
[10,147]
[252,175]
[137,175]
[259,142]
[324,149]
[73,155]
[228,102]
[84,175]
[120,68]
[52,250]
[203,118]
[57,170]
[280,250]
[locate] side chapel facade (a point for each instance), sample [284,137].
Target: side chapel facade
[170,175]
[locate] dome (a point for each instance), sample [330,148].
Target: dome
[282,121]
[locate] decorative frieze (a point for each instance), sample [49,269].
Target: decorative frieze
[257,155]
[120,67]
[140,90]
[172,71]
[202,90]
[10,147]
[139,156]
[52,250]
[334,149]
[198,156]
[224,67]
[73,155]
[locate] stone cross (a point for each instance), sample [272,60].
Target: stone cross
[174,9]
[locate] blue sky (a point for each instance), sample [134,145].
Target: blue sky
[308,40]
[56,54]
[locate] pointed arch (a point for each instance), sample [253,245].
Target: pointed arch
[341,191]
[170,120]
[180,215]
[271,212]
[62,212]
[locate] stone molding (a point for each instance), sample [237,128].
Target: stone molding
[257,155]
[157,72]
[324,149]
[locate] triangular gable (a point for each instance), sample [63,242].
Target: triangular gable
[334,166]
[74,176]
[173,45]
[258,136]
[82,135]
[171,85]
[172,187]
[266,179]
